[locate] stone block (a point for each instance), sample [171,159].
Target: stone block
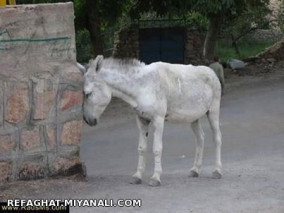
[71,133]
[63,165]
[45,98]
[7,143]
[30,139]
[70,99]
[5,170]
[17,106]
[31,170]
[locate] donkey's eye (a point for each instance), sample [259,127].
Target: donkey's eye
[87,94]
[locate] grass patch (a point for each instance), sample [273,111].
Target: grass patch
[247,48]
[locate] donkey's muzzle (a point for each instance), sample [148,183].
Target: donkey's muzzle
[91,122]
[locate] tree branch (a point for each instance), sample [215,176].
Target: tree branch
[250,30]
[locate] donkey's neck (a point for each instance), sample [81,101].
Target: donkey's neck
[125,97]
[123,86]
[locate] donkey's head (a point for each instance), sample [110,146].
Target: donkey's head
[97,94]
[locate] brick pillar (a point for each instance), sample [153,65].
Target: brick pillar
[40,92]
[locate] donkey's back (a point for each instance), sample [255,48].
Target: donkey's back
[191,91]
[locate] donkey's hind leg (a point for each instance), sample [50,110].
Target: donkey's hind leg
[213,117]
[143,126]
[158,124]
[197,130]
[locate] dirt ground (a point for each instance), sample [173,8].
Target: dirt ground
[252,124]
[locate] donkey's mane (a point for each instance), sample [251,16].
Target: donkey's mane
[123,65]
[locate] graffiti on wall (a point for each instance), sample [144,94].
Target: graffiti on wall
[55,46]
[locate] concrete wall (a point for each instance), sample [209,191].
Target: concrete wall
[127,45]
[40,92]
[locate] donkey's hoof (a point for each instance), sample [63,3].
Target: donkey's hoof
[136,180]
[154,182]
[217,174]
[193,173]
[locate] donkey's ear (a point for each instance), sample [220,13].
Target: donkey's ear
[95,64]
[82,68]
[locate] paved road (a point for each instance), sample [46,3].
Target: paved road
[252,124]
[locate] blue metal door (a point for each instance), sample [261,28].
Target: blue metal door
[166,44]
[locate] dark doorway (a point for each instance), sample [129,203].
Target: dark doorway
[162,44]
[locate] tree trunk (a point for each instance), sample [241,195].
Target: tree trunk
[93,26]
[212,36]
[234,44]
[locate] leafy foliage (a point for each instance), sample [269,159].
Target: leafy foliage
[252,18]
[197,20]
[281,16]
[40,1]
[237,16]
[215,10]
[80,14]
[204,7]
[83,47]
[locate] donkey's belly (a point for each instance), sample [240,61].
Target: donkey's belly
[188,111]
[191,104]
[184,116]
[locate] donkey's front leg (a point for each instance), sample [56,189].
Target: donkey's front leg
[143,126]
[158,124]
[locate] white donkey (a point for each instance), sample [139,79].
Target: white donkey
[158,92]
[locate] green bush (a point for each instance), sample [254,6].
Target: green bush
[83,46]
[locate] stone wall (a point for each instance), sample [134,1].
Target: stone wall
[266,34]
[193,47]
[40,92]
[127,45]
